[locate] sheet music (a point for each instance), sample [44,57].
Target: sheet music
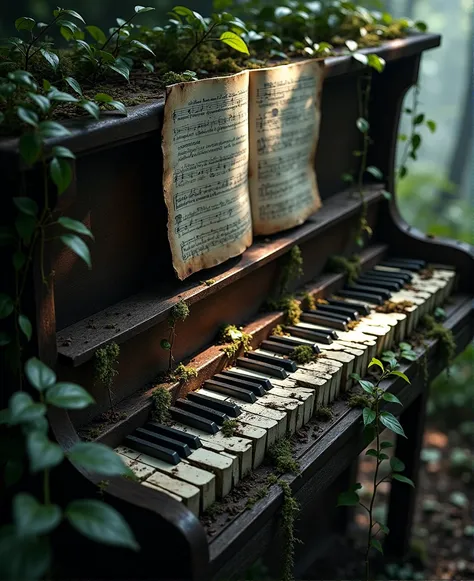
[205,174]
[284,121]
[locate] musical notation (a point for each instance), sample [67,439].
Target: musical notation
[210,126]
[285,140]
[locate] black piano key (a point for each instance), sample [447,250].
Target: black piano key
[371,290]
[286,364]
[182,449]
[192,441]
[381,283]
[379,275]
[263,381]
[359,307]
[347,311]
[262,367]
[309,334]
[226,389]
[343,317]
[406,276]
[418,262]
[203,411]
[194,421]
[360,296]
[293,342]
[276,347]
[226,407]
[257,389]
[145,447]
[402,265]
[317,319]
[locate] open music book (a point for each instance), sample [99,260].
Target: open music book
[238,155]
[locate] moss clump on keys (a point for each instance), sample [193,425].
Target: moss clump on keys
[302,354]
[105,363]
[235,340]
[358,400]
[229,428]
[292,310]
[324,414]
[391,307]
[184,372]
[281,456]
[309,302]
[161,400]
[445,337]
[279,332]
[348,266]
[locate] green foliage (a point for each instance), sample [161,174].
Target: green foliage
[184,372]
[161,402]
[445,337]
[324,414]
[350,267]
[309,302]
[105,368]
[292,310]
[302,354]
[235,340]
[229,428]
[281,456]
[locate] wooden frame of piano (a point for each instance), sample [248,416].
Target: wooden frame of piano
[163,526]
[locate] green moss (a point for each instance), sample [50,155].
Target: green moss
[291,269]
[179,312]
[435,330]
[102,487]
[229,427]
[292,310]
[259,494]
[278,330]
[324,414]
[302,354]
[289,513]
[358,400]
[235,340]
[161,401]
[184,372]
[209,282]
[391,307]
[350,267]
[92,434]
[309,302]
[105,363]
[281,455]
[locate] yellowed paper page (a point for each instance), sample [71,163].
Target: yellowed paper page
[205,172]
[284,119]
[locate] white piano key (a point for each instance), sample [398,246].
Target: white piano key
[314,377]
[303,394]
[235,468]
[188,492]
[222,466]
[153,487]
[140,470]
[270,426]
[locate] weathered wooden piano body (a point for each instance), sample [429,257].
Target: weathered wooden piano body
[127,297]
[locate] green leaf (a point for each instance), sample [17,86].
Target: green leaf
[376,62]
[391,398]
[97,34]
[63,152]
[98,458]
[376,545]
[68,396]
[142,45]
[78,246]
[234,41]
[396,464]
[52,129]
[372,452]
[32,518]
[409,355]
[61,174]
[439,314]
[119,106]
[27,116]
[416,141]
[348,498]
[23,558]
[362,125]
[120,68]
[431,125]
[75,226]
[386,444]
[25,23]
[25,226]
[141,9]
[419,119]
[403,479]
[40,101]
[5,338]
[25,326]
[92,108]
[50,57]
[23,78]
[6,306]
[24,409]
[103,97]
[421,26]
[165,344]
[376,361]
[405,346]
[355,376]
[75,86]
[384,528]
[391,422]
[347,177]
[387,195]
[400,374]
[403,171]
[366,385]
[374,171]
[43,453]
[26,205]
[39,375]
[351,45]
[368,416]
[101,523]
[361,58]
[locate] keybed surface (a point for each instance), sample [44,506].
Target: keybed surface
[268,395]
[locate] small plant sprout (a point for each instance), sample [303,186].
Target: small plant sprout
[105,367]
[235,340]
[180,312]
[375,420]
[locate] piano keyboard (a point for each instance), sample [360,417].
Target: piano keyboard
[268,394]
